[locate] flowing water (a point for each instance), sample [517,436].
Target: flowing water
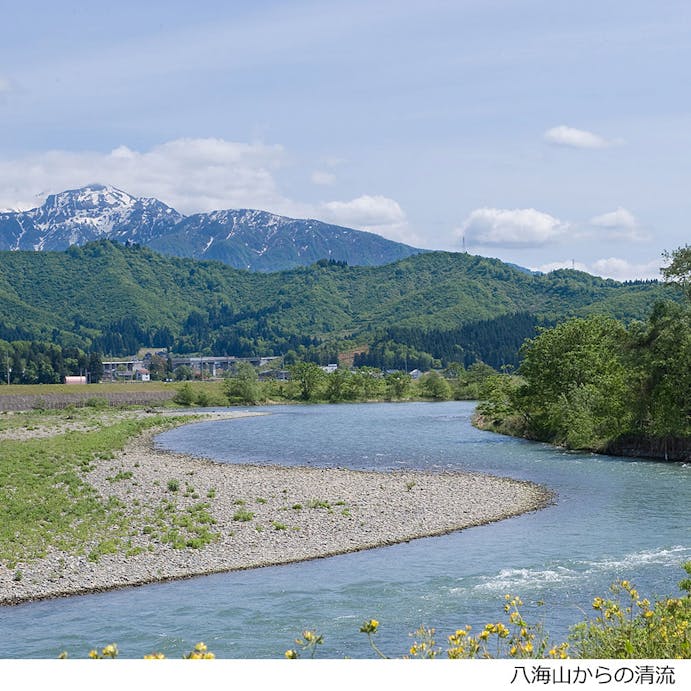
[613,518]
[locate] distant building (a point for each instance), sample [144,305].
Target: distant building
[331,367]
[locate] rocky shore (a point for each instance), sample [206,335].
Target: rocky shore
[261,516]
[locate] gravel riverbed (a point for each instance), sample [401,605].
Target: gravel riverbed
[291,514]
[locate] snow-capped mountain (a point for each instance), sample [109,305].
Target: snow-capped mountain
[248,239]
[78,216]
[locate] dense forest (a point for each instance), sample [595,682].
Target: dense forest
[496,342]
[596,383]
[435,308]
[34,362]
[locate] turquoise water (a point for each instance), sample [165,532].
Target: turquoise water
[613,518]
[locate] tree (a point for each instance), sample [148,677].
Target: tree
[95,367]
[433,385]
[577,387]
[184,395]
[182,373]
[244,386]
[679,269]
[339,386]
[661,355]
[368,383]
[157,367]
[309,377]
[397,384]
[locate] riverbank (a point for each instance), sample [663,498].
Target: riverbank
[672,449]
[232,517]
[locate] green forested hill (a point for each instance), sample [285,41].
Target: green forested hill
[108,297]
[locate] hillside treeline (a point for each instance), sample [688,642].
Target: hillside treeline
[114,299]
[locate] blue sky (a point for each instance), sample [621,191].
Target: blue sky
[543,132]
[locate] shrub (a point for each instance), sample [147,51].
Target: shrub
[243,515]
[184,395]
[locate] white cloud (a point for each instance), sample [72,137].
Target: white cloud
[579,139]
[622,269]
[563,264]
[375,213]
[511,228]
[620,224]
[322,177]
[191,175]
[610,267]
[621,218]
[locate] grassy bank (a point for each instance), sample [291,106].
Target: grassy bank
[45,500]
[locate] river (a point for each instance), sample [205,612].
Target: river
[613,518]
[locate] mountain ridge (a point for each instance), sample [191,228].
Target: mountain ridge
[243,238]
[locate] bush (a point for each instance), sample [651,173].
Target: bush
[97,402]
[184,395]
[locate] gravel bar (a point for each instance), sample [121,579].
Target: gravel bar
[297,513]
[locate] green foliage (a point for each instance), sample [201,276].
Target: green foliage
[397,385]
[184,395]
[591,383]
[309,379]
[576,388]
[661,356]
[679,269]
[435,306]
[243,387]
[433,385]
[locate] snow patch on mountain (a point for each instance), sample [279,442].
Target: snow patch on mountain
[244,238]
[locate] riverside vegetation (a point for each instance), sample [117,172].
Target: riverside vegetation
[596,384]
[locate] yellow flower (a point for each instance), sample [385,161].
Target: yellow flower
[502,631]
[370,626]
[291,655]
[111,650]
[93,654]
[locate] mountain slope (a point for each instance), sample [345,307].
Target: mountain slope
[88,295]
[244,238]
